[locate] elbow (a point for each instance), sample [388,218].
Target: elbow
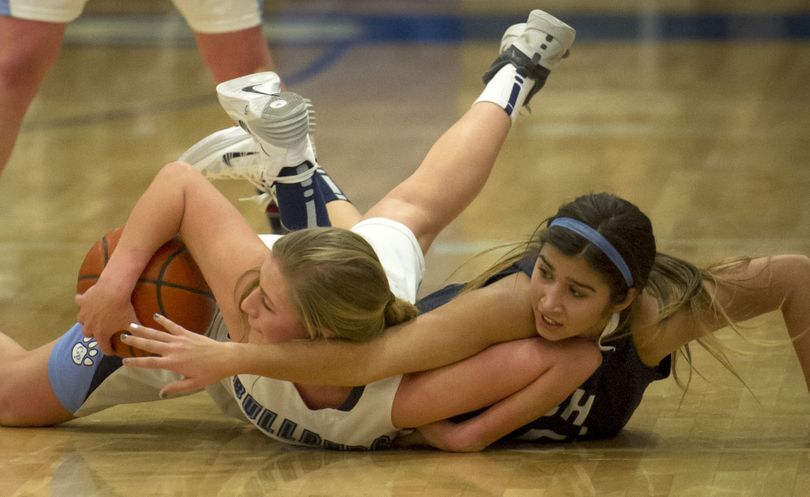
[464,440]
[588,355]
[581,358]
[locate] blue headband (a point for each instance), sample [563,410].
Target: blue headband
[597,239]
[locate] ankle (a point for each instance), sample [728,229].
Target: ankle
[507,89]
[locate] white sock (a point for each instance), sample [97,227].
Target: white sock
[508,90]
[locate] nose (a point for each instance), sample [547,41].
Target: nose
[551,300]
[248,304]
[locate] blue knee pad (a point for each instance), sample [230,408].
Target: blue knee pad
[76,367]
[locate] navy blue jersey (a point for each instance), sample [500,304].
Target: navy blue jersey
[601,406]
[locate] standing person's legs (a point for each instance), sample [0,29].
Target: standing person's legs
[28,49]
[234,54]
[229,36]
[231,42]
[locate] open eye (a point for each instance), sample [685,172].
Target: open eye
[545,272]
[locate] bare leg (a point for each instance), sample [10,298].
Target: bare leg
[8,347]
[459,163]
[28,49]
[234,54]
[26,397]
[451,175]
[342,214]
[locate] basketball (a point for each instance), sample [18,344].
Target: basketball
[171,285]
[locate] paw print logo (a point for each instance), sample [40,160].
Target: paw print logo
[85,352]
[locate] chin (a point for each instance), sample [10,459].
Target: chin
[549,335]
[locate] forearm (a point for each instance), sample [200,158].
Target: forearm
[462,328]
[569,365]
[344,363]
[768,284]
[155,219]
[796,313]
[309,362]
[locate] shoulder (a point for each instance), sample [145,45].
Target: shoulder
[502,309]
[655,337]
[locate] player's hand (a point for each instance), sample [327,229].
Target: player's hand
[103,313]
[200,360]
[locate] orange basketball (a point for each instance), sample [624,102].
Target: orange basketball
[171,285]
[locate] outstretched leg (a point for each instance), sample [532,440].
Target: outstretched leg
[67,378]
[272,149]
[459,163]
[26,396]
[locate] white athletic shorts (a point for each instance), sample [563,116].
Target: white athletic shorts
[86,381]
[203,16]
[396,247]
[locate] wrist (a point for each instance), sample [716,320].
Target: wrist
[117,289]
[121,274]
[234,359]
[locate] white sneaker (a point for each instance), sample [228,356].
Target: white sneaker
[232,153]
[281,122]
[545,37]
[284,127]
[534,48]
[247,95]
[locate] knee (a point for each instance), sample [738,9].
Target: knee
[29,51]
[175,172]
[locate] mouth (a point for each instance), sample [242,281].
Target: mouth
[251,325]
[545,322]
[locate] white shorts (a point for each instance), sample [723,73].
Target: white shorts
[396,247]
[203,16]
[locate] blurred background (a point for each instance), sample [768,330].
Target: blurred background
[697,111]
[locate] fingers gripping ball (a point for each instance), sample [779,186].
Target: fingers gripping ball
[171,285]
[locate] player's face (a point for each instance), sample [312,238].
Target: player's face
[270,313]
[569,298]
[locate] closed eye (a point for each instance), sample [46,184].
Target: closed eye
[266,302]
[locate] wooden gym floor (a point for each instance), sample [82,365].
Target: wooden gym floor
[697,111]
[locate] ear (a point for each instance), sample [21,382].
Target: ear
[627,301]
